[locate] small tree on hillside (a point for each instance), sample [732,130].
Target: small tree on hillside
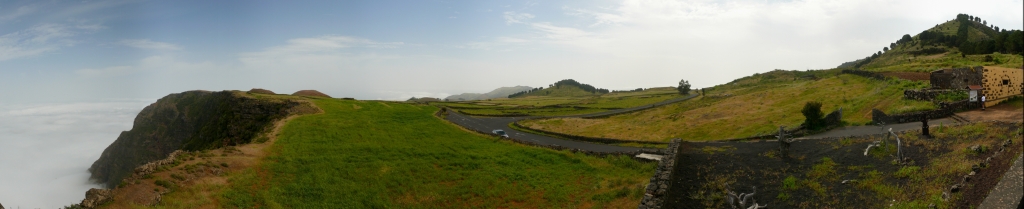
[814,116]
[684,87]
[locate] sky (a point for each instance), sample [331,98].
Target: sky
[94,64]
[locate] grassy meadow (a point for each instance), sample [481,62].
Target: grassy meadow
[563,103]
[750,106]
[367,154]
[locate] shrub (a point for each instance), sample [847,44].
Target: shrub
[814,118]
[162,183]
[789,183]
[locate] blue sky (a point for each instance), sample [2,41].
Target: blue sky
[55,51]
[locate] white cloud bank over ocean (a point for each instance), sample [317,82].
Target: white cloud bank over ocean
[46,149]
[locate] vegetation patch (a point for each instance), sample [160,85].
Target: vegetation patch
[403,157]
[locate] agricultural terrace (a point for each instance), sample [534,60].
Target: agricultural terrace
[563,105]
[750,106]
[369,154]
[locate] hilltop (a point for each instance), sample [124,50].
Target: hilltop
[565,88]
[502,92]
[963,41]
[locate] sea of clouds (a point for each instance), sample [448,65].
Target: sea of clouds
[46,149]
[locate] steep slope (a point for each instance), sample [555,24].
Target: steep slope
[193,120]
[502,92]
[964,41]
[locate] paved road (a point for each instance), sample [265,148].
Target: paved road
[488,124]
[868,130]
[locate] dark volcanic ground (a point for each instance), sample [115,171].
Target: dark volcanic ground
[705,168]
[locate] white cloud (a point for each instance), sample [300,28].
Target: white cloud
[109,71]
[37,40]
[47,149]
[149,44]
[513,17]
[21,11]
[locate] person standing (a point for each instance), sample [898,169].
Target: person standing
[982,102]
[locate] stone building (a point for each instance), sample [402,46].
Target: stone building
[956,78]
[1001,83]
[998,83]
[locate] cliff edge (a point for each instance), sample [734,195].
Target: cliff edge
[193,120]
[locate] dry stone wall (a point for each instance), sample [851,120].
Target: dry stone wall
[865,74]
[956,78]
[924,94]
[654,196]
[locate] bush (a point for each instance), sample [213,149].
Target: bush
[165,184]
[814,118]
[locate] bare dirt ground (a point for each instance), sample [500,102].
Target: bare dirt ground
[707,169]
[1002,112]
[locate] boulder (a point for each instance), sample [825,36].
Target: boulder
[96,197]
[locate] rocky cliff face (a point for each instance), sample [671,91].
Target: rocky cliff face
[193,120]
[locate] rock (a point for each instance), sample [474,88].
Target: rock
[975,148]
[972,173]
[975,168]
[967,178]
[955,188]
[96,197]
[932,206]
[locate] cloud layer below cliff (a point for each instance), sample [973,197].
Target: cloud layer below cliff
[46,149]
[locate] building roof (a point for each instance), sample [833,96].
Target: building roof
[975,87]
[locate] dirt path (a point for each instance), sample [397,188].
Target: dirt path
[1003,112]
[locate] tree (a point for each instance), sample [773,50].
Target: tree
[814,118]
[892,45]
[684,87]
[885,49]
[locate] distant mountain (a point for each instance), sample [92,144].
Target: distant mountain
[502,92]
[567,87]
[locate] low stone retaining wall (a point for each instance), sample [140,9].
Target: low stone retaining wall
[945,110]
[654,196]
[923,94]
[585,138]
[868,74]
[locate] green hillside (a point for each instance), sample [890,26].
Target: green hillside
[749,106]
[964,41]
[364,154]
[563,88]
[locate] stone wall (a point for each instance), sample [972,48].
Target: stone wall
[945,110]
[879,117]
[960,106]
[865,74]
[924,94]
[654,196]
[956,78]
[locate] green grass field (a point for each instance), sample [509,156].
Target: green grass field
[749,106]
[400,156]
[562,105]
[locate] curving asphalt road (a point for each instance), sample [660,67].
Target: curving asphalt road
[488,124]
